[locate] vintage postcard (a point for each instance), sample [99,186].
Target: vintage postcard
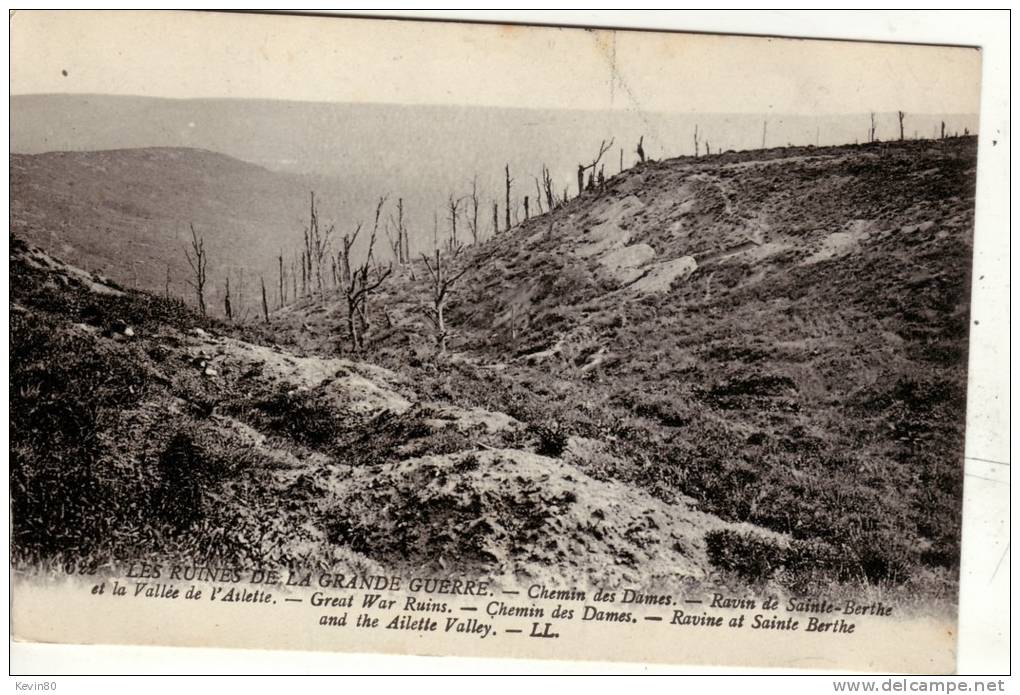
[351,334]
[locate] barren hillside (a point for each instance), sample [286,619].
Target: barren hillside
[748,368]
[125,213]
[781,335]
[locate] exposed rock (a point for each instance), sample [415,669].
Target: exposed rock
[661,276]
[624,263]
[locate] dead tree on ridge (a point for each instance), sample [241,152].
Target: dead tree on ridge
[226,301]
[318,247]
[473,220]
[695,139]
[581,168]
[198,260]
[547,184]
[399,245]
[265,305]
[283,285]
[508,182]
[871,133]
[640,149]
[453,207]
[900,115]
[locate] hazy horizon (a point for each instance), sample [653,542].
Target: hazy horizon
[422,152]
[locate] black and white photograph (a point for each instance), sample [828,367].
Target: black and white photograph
[556,342]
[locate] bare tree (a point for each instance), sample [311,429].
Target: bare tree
[346,272]
[198,260]
[444,276]
[227,309]
[942,136]
[304,271]
[398,245]
[526,213]
[265,304]
[283,284]
[473,220]
[395,243]
[764,130]
[641,149]
[900,115]
[508,182]
[453,206]
[293,279]
[166,285]
[695,139]
[581,168]
[358,285]
[318,246]
[547,184]
[871,133]
[538,195]
[495,218]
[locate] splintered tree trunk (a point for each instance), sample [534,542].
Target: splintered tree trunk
[352,326]
[441,327]
[526,213]
[942,136]
[226,302]
[507,197]
[621,159]
[495,218]
[401,236]
[580,179]
[265,304]
[283,294]
[900,115]
[304,276]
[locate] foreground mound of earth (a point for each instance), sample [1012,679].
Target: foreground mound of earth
[520,515]
[210,446]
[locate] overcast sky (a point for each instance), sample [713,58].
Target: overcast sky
[188,54]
